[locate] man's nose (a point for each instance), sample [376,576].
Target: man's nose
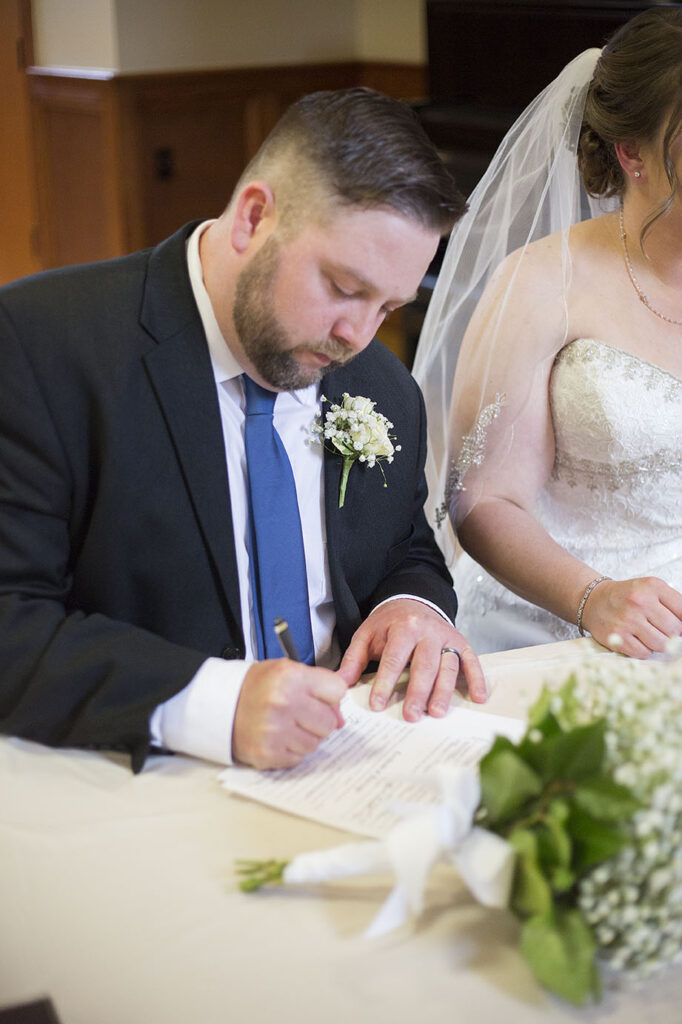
[356,331]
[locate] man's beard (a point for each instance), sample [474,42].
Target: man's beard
[263,338]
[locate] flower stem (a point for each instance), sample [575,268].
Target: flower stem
[347,463]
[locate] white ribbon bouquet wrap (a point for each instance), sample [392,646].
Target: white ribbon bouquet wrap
[425,836]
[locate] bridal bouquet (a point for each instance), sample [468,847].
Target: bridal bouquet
[577,829]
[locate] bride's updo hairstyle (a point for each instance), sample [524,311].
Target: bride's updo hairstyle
[635,94]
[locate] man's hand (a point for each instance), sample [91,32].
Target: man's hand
[405,631]
[284,711]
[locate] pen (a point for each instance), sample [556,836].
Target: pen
[288,646]
[286,641]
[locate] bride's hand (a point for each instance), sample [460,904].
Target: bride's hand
[644,613]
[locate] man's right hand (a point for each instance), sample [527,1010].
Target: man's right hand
[284,711]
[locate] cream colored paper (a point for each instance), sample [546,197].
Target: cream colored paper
[362,774]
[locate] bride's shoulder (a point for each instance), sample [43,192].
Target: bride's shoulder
[540,266]
[534,269]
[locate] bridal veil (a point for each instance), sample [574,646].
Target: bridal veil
[531,189]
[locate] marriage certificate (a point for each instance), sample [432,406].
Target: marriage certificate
[363,777]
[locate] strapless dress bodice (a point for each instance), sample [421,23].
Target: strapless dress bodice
[614,496]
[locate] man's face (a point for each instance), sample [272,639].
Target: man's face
[307,305]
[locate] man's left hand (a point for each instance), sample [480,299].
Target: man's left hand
[406,631]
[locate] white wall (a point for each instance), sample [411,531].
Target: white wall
[153,35]
[393,30]
[158,34]
[75,33]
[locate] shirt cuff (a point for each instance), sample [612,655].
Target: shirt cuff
[422,600]
[199,719]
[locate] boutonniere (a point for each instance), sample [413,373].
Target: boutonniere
[355,431]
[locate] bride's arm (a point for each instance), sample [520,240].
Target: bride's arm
[507,540]
[503,442]
[500,531]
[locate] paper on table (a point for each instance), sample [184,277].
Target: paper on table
[374,761]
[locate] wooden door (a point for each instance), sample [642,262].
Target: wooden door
[18,231]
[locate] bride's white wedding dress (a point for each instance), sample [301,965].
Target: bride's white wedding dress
[614,498]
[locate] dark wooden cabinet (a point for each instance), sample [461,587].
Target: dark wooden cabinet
[487,59]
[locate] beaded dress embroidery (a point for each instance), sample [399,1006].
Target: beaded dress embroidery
[614,497]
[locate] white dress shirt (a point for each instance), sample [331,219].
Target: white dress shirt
[199,719]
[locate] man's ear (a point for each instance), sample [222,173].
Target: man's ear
[630,159]
[254,209]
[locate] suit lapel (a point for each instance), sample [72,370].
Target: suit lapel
[182,378]
[339,538]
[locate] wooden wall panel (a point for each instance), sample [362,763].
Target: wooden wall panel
[404,81]
[192,134]
[189,160]
[77,146]
[125,160]
[18,216]
[75,149]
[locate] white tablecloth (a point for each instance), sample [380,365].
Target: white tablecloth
[118,900]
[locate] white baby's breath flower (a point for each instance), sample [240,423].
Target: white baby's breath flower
[673,646]
[633,902]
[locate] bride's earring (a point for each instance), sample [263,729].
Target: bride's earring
[637,174]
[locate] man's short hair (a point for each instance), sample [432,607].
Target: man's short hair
[355,147]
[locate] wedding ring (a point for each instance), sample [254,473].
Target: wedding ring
[450,650]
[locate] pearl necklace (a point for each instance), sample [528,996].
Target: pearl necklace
[633,279]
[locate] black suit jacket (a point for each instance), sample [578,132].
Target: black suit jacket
[117,565]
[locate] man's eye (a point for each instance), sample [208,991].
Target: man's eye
[342,292]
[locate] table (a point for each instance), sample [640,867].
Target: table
[117,899]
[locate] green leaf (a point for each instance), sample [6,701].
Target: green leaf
[531,893]
[507,782]
[594,841]
[579,753]
[500,743]
[572,756]
[540,709]
[560,949]
[559,810]
[554,843]
[543,718]
[605,799]
[561,879]
[343,448]
[534,751]
[570,703]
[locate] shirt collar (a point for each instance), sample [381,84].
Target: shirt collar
[225,366]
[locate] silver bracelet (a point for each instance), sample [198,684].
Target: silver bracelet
[588,590]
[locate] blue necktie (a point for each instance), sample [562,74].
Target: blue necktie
[278,573]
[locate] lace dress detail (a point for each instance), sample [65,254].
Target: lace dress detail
[472,453]
[614,496]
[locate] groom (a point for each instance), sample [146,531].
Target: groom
[136,411]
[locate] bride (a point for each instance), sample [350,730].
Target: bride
[558,454]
